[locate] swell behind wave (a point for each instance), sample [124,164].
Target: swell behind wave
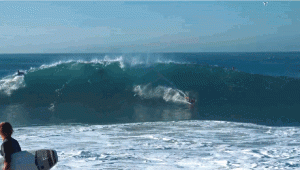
[108,92]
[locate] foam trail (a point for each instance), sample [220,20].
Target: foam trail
[166,93]
[11,83]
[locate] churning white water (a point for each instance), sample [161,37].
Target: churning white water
[166,145]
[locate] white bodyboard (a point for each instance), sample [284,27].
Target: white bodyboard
[23,160]
[33,160]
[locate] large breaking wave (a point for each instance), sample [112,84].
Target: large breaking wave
[110,91]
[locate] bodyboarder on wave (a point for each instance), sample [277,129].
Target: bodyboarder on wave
[20,73]
[190,100]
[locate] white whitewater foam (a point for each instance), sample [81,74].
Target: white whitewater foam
[11,83]
[166,93]
[166,145]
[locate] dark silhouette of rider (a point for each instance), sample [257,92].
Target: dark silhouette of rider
[20,73]
[190,100]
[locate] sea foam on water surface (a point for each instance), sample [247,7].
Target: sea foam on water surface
[161,145]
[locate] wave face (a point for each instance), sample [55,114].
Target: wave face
[113,91]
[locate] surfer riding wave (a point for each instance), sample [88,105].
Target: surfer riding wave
[20,73]
[190,100]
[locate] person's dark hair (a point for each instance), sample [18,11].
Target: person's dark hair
[6,129]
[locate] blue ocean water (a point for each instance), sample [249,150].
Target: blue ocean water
[260,88]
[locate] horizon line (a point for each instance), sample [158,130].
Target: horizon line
[154,52]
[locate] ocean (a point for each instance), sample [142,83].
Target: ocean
[129,111]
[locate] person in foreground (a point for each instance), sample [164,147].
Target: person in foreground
[9,145]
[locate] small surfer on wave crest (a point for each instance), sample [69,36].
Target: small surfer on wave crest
[20,73]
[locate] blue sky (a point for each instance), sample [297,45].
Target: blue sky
[126,27]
